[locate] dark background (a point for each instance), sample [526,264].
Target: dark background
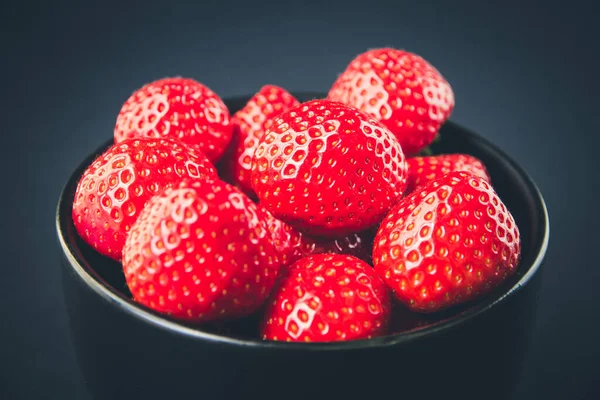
[525,75]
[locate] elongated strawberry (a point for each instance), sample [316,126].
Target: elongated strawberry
[292,245]
[400,89]
[422,170]
[326,298]
[249,126]
[177,108]
[113,190]
[200,252]
[328,170]
[450,242]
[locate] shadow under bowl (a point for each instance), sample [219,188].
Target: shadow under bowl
[126,351]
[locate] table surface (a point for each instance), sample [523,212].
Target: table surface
[523,77]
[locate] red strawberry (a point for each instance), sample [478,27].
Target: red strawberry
[448,243]
[425,169]
[249,125]
[328,170]
[400,89]
[326,298]
[113,190]
[200,252]
[177,108]
[292,245]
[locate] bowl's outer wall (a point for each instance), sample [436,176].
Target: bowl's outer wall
[121,358]
[125,357]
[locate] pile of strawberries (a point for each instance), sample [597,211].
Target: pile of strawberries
[321,216]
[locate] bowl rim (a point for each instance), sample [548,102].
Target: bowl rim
[150,317]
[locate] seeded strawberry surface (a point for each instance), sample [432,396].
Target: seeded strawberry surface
[113,190]
[200,252]
[328,169]
[400,89]
[249,125]
[326,298]
[422,170]
[177,108]
[447,243]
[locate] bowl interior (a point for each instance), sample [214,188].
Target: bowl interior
[513,185]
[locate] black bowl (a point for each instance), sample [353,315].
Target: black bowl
[127,351]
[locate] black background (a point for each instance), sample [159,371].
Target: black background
[525,75]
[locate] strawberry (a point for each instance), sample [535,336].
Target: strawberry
[115,187]
[400,89]
[450,242]
[200,252]
[424,169]
[328,170]
[325,298]
[292,245]
[249,125]
[177,108]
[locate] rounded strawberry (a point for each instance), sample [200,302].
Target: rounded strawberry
[328,170]
[292,245]
[422,170]
[200,252]
[115,187]
[450,242]
[249,125]
[177,108]
[326,298]
[400,89]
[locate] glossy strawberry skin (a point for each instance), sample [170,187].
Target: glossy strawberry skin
[177,108]
[400,89]
[200,252]
[113,190]
[292,245]
[249,125]
[327,298]
[448,243]
[422,170]
[328,169]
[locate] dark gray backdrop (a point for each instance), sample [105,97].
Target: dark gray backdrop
[524,74]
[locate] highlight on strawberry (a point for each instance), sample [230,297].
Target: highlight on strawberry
[422,170]
[177,108]
[447,243]
[328,169]
[200,251]
[249,126]
[402,90]
[327,298]
[114,189]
